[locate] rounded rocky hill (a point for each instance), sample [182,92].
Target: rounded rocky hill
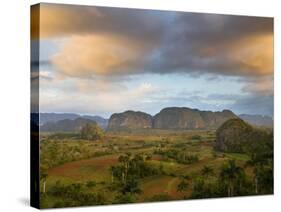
[213,120]
[187,118]
[178,118]
[129,120]
[235,135]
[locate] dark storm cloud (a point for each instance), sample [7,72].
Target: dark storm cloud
[221,44]
[160,42]
[66,20]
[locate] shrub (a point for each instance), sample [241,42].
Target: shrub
[91,184]
[196,137]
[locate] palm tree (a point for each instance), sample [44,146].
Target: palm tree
[260,159]
[182,186]
[263,179]
[125,160]
[231,174]
[257,167]
[122,159]
[112,170]
[43,177]
[207,171]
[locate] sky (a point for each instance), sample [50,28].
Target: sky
[102,60]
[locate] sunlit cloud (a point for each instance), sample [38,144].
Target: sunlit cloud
[85,56]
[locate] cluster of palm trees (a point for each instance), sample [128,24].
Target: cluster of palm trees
[130,169]
[231,180]
[132,166]
[263,174]
[233,176]
[226,182]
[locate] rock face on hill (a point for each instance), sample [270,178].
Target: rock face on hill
[130,120]
[235,135]
[170,118]
[178,118]
[66,125]
[187,118]
[213,120]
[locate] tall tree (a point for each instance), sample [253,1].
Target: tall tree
[231,174]
[43,177]
[182,186]
[207,171]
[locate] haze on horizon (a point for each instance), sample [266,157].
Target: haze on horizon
[102,60]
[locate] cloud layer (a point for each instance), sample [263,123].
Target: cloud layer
[114,41]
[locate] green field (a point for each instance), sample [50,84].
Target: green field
[170,159]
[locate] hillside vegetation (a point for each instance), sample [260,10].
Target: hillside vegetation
[235,135]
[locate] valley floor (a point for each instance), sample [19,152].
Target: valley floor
[177,160]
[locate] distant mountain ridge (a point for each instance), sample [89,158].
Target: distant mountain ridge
[55,117]
[66,125]
[258,120]
[170,118]
[167,118]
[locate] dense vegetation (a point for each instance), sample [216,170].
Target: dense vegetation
[91,131]
[93,167]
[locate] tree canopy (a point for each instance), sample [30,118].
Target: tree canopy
[91,132]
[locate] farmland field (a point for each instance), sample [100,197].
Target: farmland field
[86,166]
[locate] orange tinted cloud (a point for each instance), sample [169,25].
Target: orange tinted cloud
[254,54]
[107,55]
[99,55]
[61,20]
[250,56]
